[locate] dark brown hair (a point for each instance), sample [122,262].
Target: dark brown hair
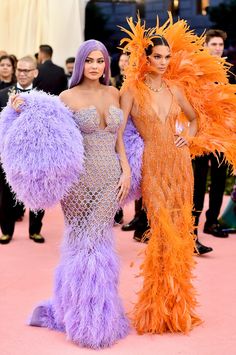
[157,41]
[13,63]
[9,57]
[46,49]
[215,33]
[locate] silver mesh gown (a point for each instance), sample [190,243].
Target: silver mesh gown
[85,304]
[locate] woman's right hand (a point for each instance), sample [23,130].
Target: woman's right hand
[16,101]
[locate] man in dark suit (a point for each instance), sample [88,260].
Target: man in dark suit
[26,72]
[51,77]
[70,63]
[218,169]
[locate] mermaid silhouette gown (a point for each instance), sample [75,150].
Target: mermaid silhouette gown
[167,300]
[85,303]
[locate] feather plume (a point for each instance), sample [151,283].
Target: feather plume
[202,77]
[134,149]
[41,149]
[85,304]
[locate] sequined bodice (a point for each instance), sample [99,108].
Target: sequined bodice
[92,200]
[89,121]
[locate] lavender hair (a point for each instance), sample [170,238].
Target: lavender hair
[83,52]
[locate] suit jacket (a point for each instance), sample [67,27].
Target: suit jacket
[51,78]
[4,96]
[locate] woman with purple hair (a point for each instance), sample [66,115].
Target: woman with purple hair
[86,304]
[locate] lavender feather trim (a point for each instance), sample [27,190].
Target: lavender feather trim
[41,149]
[8,115]
[134,147]
[86,303]
[44,314]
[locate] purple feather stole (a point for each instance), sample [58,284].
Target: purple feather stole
[134,147]
[41,149]
[42,154]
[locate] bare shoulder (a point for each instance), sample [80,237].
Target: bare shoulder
[113,91]
[127,93]
[65,96]
[177,92]
[68,96]
[175,89]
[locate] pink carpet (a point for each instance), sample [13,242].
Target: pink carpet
[27,272]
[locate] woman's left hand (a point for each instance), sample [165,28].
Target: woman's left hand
[180,141]
[123,186]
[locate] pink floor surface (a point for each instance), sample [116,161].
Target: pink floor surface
[27,271]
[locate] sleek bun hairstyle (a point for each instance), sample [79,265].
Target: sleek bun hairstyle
[157,41]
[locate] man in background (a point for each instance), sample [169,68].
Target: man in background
[70,62]
[26,72]
[51,78]
[218,169]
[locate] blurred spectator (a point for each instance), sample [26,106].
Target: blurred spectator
[36,56]
[122,64]
[228,218]
[70,62]
[231,58]
[51,78]
[7,71]
[14,59]
[26,71]
[214,41]
[2,52]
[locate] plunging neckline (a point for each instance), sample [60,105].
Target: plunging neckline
[169,111]
[100,119]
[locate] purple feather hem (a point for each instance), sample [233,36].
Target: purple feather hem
[86,304]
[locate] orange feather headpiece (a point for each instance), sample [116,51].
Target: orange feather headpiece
[203,78]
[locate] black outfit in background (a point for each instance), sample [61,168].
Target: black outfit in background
[218,173]
[51,78]
[10,210]
[4,85]
[217,187]
[119,80]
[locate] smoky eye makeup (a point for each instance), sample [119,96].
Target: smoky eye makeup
[91,60]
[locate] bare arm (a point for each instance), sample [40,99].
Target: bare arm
[126,104]
[190,115]
[64,97]
[124,183]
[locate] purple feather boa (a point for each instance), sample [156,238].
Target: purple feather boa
[134,147]
[86,304]
[41,149]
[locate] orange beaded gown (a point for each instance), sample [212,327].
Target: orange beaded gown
[167,299]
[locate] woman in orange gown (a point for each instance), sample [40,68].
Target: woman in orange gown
[167,300]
